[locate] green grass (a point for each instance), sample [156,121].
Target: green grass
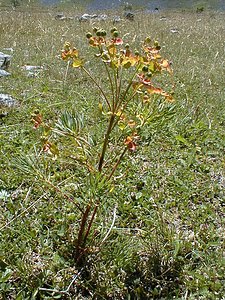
[167,206]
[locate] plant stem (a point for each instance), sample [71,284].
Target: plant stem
[66,73]
[119,84]
[124,107]
[79,245]
[90,224]
[99,87]
[128,87]
[62,193]
[105,144]
[117,163]
[111,86]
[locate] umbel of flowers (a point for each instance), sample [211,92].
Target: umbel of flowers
[142,65]
[146,63]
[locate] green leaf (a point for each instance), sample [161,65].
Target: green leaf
[151,66]
[70,122]
[77,63]
[6,275]
[3,265]
[54,150]
[177,247]
[181,139]
[127,65]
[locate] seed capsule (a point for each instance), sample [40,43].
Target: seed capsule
[145,69]
[113,29]
[103,33]
[88,35]
[115,33]
[95,29]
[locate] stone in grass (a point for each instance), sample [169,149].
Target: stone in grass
[32,71]
[61,17]
[102,17]
[116,19]
[31,68]
[87,17]
[174,30]
[4,73]
[4,61]
[7,100]
[129,16]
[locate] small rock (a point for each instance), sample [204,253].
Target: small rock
[4,61]
[116,19]
[7,100]
[8,49]
[32,71]
[59,16]
[31,68]
[4,73]
[102,17]
[87,17]
[129,16]
[174,30]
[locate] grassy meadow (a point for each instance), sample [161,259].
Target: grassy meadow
[159,230]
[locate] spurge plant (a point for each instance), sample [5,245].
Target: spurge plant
[129,96]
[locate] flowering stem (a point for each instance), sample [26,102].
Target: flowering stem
[111,85]
[66,73]
[124,107]
[62,193]
[117,163]
[90,224]
[106,140]
[115,73]
[128,87]
[119,78]
[99,87]
[79,245]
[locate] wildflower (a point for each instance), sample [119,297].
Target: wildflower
[166,65]
[143,79]
[96,41]
[117,41]
[50,149]
[47,147]
[146,98]
[68,52]
[131,123]
[37,119]
[131,145]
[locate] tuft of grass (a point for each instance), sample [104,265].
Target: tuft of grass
[167,217]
